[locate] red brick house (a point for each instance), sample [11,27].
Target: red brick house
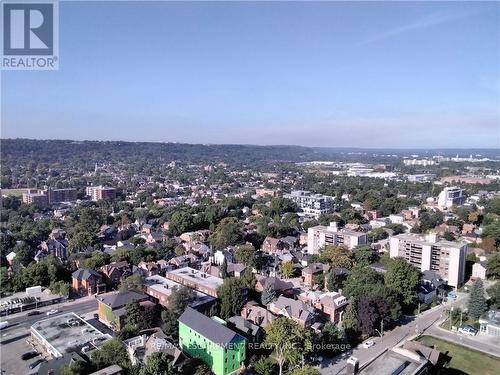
[86,282]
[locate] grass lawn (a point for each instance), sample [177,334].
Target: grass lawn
[456,322]
[463,360]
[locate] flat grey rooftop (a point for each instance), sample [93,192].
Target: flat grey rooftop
[68,332]
[389,362]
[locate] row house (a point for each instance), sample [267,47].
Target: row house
[309,272]
[278,245]
[86,282]
[330,304]
[277,285]
[114,273]
[300,312]
[257,314]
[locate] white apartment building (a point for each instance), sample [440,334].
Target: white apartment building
[311,203]
[422,162]
[430,253]
[97,193]
[320,236]
[451,196]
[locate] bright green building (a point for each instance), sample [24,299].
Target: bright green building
[222,349]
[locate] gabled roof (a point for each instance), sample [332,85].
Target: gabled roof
[276,283]
[294,308]
[244,325]
[84,274]
[209,328]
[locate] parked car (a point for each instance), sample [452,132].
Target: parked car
[368,344]
[468,330]
[29,355]
[52,312]
[4,324]
[34,312]
[36,363]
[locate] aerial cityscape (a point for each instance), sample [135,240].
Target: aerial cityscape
[261,188]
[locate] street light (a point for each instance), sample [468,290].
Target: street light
[381,332]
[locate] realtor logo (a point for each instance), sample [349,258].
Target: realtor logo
[30,35]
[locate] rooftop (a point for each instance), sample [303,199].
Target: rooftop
[209,328]
[68,333]
[165,286]
[491,317]
[391,362]
[198,277]
[84,274]
[119,299]
[423,240]
[23,299]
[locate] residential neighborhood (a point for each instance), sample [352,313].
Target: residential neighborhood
[219,273]
[250,187]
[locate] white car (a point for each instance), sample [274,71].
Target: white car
[468,330]
[52,312]
[368,344]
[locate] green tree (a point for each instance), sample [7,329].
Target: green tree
[336,256]
[491,236]
[287,269]
[361,281]
[81,241]
[288,340]
[179,299]
[134,313]
[24,253]
[97,260]
[329,338]
[403,278]
[364,255]
[477,304]
[249,279]
[157,363]
[110,353]
[232,294]
[134,282]
[333,281]
[493,267]
[246,254]
[350,317]
[494,293]
[264,366]
[223,269]
[60,287]
[227,233]
[75,368]
[180,222]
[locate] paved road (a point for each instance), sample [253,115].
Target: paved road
[420,324]
[481,342]
[79,307]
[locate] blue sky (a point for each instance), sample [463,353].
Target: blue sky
[377,74]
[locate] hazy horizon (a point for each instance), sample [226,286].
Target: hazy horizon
[381,75]
[264,145]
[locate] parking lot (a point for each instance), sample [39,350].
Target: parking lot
[14,343]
